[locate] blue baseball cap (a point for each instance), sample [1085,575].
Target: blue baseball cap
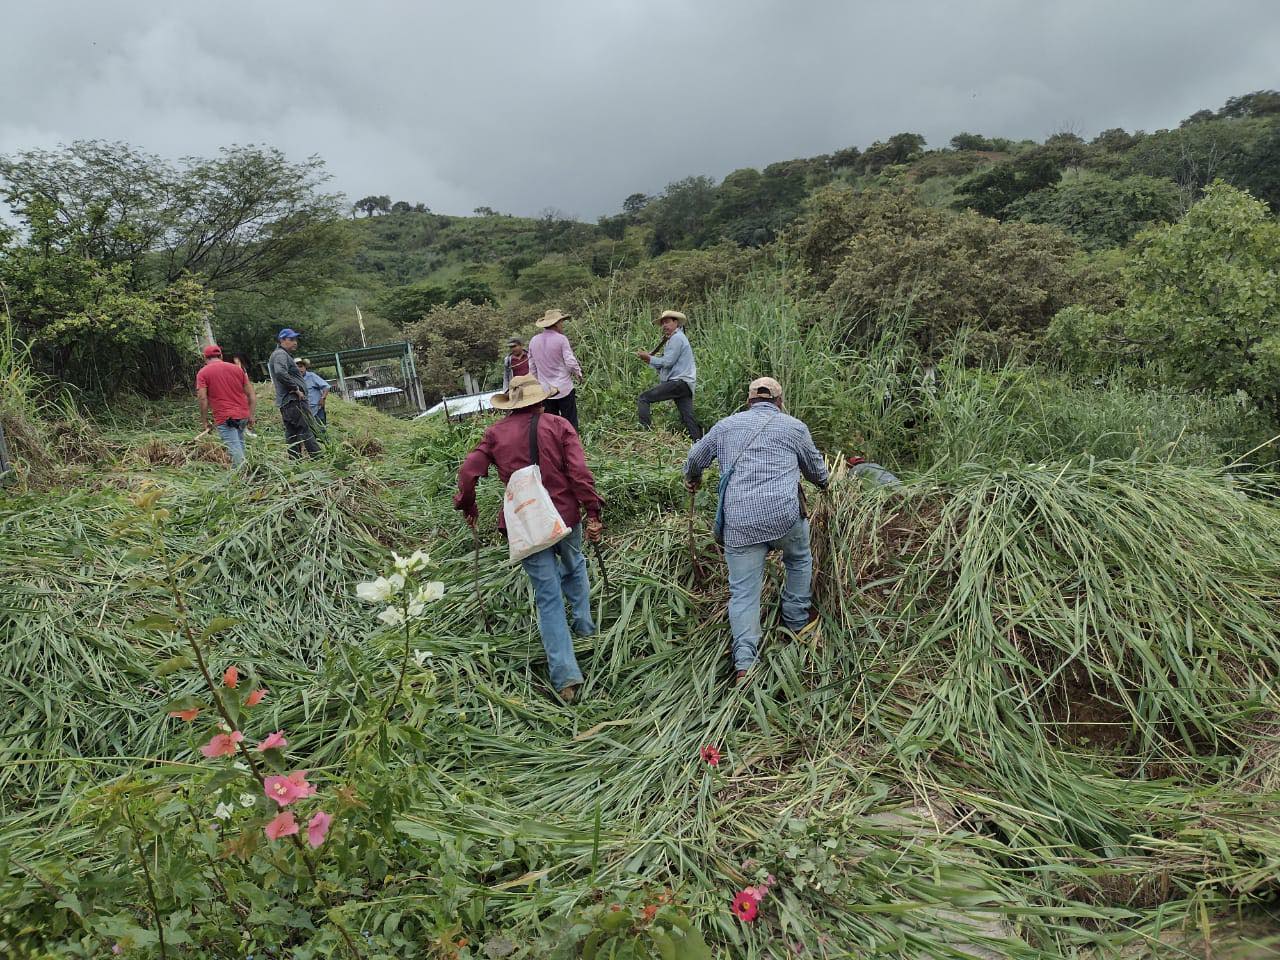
[287,332]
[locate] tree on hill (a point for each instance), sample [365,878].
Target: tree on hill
[679,216]
[401,206]
[371,205]
[899,148]
[635,203]
[1260,103]
[991,192]
[1203,299]
[971,141]
[408,304]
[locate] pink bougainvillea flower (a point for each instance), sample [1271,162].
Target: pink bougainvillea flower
[769,881]
[282,826]
[710,755]
[756,893]
[318,827]
[222,744]
[255,698]
[231,677]
[274,741]
[187,715]
[745,907]
[285,790]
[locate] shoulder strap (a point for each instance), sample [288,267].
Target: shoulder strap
[533,439]
[754,437]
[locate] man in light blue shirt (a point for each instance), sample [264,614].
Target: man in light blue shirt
[317,391]
[763,453]
[677,374]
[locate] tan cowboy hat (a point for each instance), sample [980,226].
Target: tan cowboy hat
[522,392]
[552,317]
[675,315]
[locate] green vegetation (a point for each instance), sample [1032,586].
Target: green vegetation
[1038,720]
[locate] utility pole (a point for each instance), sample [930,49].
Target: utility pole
[360,320]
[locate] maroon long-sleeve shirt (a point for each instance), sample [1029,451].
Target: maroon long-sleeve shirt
[564,466]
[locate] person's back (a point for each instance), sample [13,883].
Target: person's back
[225,385]
[768,451]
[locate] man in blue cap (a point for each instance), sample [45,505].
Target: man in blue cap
[291,395]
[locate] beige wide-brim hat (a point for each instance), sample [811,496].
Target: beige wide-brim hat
[675,315]
[552,317]
[522,392]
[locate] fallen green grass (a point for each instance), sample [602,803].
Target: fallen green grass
[1036,721]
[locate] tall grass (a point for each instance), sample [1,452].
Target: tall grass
[1034,722]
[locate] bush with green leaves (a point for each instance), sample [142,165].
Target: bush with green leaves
[859,255]
[1202,300]
[1100,211]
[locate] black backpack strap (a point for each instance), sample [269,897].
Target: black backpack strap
[533,439]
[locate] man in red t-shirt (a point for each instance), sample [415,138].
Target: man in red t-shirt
[224,387]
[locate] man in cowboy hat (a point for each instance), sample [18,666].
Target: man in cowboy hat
[516,363]
[225,388]
[558,573]
[551,360]
[291,395]
[762,453]
[677,374]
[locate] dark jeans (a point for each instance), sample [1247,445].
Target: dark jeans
[566,407]
[321,415]
[682,394]
[297,428]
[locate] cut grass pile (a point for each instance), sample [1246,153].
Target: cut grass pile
[1038,720]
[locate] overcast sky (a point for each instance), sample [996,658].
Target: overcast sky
[531,104]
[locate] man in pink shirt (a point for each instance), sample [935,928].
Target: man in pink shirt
[551,360]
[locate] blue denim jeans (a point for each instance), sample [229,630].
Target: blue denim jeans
[746,579]
[233,437]
[559,573]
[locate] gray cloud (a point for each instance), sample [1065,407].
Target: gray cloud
[576,103]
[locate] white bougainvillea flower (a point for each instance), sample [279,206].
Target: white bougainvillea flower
[420,657]
[392,616]
[224,811]
[412,563]
[374,591]
[247,799]
[397,582]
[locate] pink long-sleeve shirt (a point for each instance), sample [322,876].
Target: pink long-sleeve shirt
[551,360]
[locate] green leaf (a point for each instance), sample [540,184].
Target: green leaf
[158,623]
[173,664]
[219,625]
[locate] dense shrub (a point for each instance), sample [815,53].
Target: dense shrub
[861,254]
[1100,211]
[1203,300]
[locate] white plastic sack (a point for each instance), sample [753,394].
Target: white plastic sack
[533,523]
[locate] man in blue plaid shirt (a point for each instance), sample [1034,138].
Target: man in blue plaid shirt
[764,452]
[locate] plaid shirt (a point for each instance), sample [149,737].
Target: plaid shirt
[771,450]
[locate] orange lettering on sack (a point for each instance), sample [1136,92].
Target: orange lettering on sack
[557,529]
[528,503]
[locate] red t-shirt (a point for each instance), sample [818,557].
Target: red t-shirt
[225,383]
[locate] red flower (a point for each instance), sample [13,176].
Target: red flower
[255,698]
[650,911]
[710,755]
[187,715]
[745,907]
[231,677]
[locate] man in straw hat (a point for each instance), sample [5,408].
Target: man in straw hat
[551,360]
[762,454]
[677,374]
[558,573]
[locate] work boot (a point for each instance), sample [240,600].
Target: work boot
[740,678]
[569,693]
